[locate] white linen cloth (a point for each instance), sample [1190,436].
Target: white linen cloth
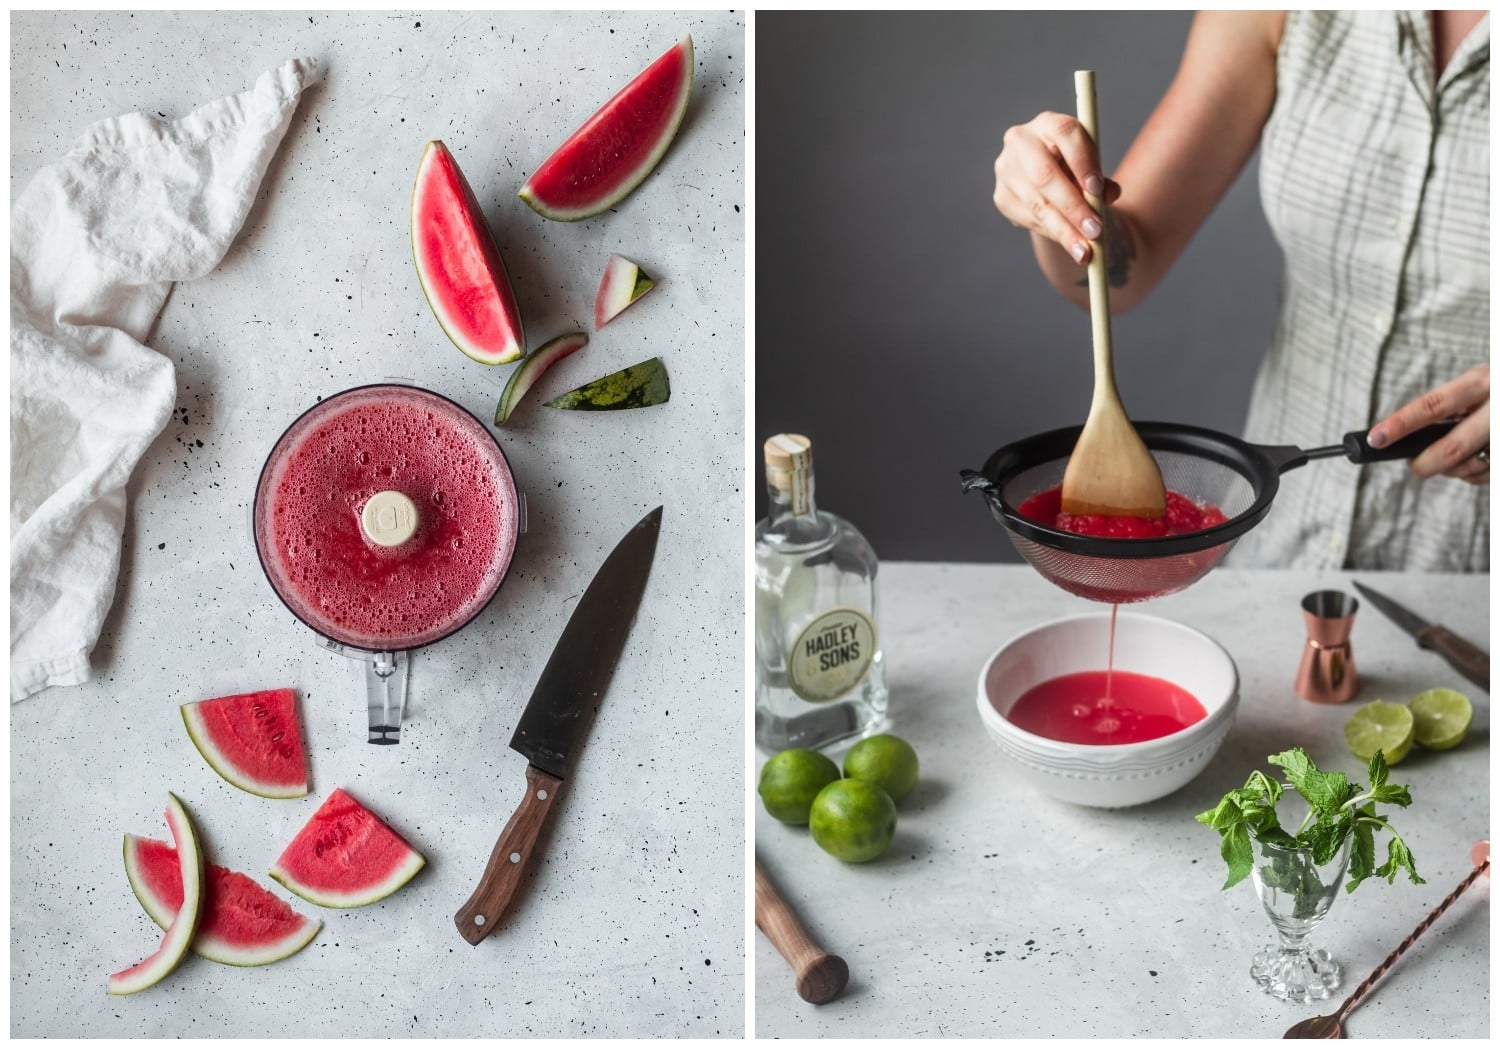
[96,240]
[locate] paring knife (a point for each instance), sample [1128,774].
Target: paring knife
[1469,660]
[557,717]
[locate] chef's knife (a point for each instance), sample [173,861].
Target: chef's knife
[557,718]
[1469,660]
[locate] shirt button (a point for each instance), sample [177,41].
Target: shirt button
[1380,321]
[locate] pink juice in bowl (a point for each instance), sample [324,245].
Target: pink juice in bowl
[385,519]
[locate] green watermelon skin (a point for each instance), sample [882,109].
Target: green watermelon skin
[182,923]
[253,740]
[346,856]
[638,386]
[616,148]
[242,923]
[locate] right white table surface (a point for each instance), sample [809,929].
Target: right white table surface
[999,911]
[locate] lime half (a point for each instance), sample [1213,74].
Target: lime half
[1379,725]
[1442,718]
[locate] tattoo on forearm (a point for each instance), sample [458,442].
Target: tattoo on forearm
[1119,251]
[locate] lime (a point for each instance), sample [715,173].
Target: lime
[853,820]
[1379,725]
[791,780]
[1442,717]
[886,761]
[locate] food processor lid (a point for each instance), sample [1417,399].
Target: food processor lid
[352,399]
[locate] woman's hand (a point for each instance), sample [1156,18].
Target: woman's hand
[1465,452]
[1040,177]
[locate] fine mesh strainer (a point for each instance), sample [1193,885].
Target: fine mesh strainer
[1208,467]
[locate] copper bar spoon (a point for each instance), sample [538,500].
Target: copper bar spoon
[1333,1026]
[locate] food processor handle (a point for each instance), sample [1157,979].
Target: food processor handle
[385,688]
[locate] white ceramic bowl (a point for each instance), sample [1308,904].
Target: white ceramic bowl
[1110,776]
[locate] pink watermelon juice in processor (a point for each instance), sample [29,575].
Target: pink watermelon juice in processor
[386,571]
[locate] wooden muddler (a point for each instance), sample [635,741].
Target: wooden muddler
[821,977]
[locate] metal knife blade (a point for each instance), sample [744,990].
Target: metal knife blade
[558,716]
[566,696]
[1467,658]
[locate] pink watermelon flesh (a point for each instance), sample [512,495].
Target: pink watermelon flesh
[184,921]
[622,284]
[618,146]
[459,265]
[242,923]
[346,857]
[252,740]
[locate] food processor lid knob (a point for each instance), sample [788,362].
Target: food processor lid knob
[389,518]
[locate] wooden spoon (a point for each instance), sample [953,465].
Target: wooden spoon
[821,977]
[1111,472]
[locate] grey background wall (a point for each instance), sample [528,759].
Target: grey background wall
[900,322]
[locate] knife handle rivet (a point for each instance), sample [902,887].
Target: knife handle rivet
[478,919]
[541,795]
[515,857]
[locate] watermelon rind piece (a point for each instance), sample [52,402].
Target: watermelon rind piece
[638,386]
[346,856]
[622,283]
[584,175]
[184,923]
[459,265]
[253,740]
[531,369]
[235,908]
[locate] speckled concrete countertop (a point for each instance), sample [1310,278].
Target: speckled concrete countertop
[999,911]
[633,923]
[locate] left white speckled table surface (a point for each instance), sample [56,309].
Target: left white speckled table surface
[1001,912]
[633,920]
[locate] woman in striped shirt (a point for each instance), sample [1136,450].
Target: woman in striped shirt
[1374,136]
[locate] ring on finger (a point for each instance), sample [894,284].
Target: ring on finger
[1483,455]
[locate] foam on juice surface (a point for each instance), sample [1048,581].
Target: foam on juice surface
[347,586]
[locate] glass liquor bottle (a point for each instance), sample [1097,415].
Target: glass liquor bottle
[819,675]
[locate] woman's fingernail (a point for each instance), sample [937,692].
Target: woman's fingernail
[1094,186]
[1377,438]
[1092,229]
[1077,251]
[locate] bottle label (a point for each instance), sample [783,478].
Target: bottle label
[831,655]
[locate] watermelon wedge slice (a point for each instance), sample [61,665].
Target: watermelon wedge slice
[346,856]
[184,921]
[623,283]
[242,923]
[638,386]
[531,369]
[252,740]
[618,146]
[459,265]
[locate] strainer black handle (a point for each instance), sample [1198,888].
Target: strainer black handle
[1356,447]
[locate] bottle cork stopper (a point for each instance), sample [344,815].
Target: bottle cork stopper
[389,518]
[788,451]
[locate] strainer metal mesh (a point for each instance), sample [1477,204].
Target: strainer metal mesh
[1122,575]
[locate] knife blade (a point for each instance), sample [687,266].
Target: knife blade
[558,716]
[1468,659]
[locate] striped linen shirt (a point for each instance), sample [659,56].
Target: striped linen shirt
[1375,179]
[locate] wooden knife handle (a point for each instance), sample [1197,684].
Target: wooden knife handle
[821,977]
[479,916]
[1469,660]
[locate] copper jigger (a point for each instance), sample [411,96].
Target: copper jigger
[1327,672]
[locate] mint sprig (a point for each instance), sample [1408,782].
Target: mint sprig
[1336,807]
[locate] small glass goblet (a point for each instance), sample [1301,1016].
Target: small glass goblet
[1296,892]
